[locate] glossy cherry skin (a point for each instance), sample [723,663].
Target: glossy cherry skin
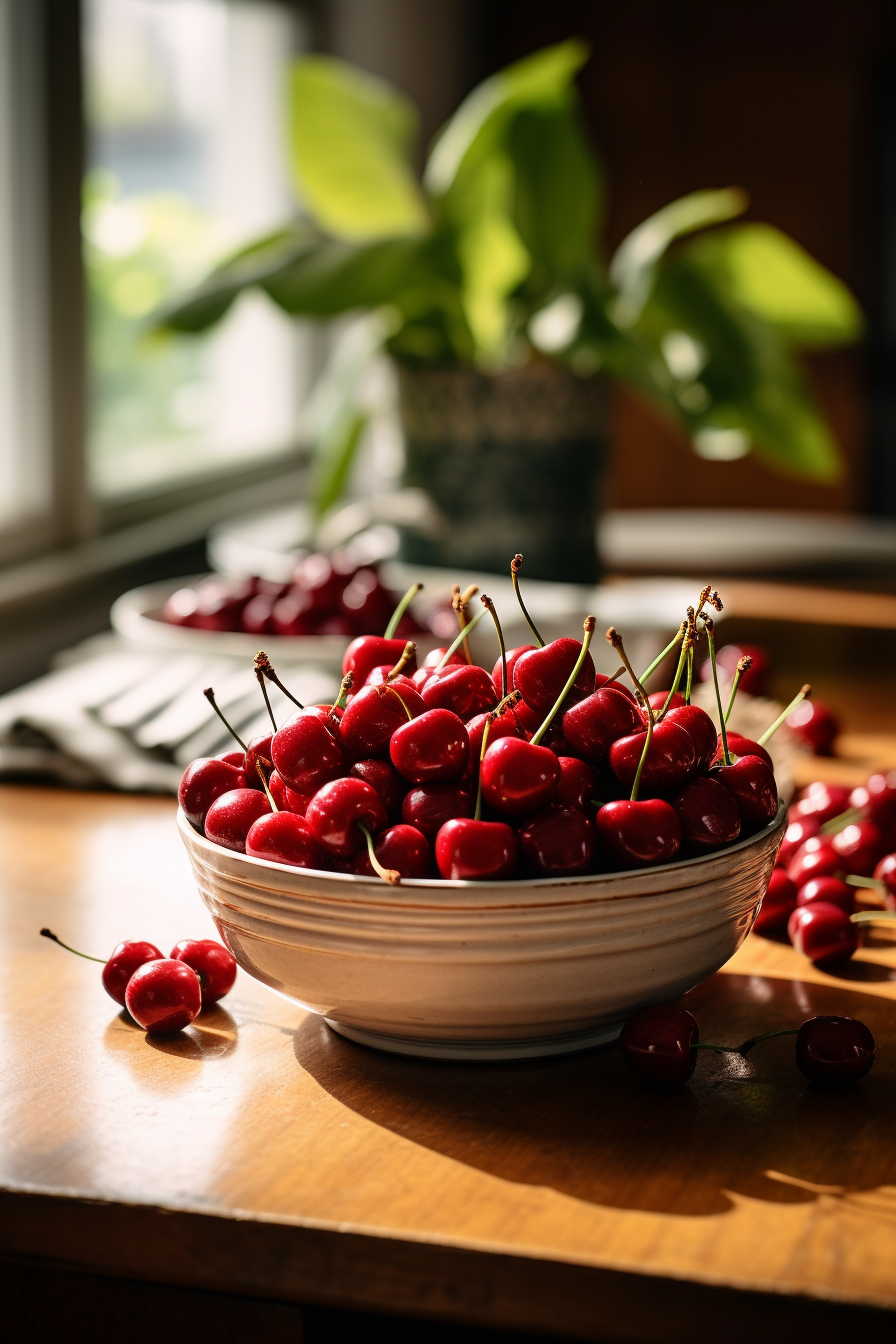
[578,786]
[815,858]
[374,714]
[834,1049]
[815,725]
[430,806]
[286,798]
[658,700]
[752,785]
[431,747]
[401,847]
[230,817]
[822,801]
[701,729]
[595,723]
[370,651]
[382,776]
[799,830]
[541,674]
[164,995]
[335,811]
[307,751]
[556,842]
[886,872]
[633,835]
[657,1043]
[738,745]
[258,752]
[237,758]
[517,777]
[778,903]
[860,845]
[435,656]
[215,966]
[670,758]
[380,677]
[829,889]
[708,815]
[284,837]
[122,964]
[465,690]
[205,780]
[507,724]
[823,933]
[877,799]
[513,657]
[475,851]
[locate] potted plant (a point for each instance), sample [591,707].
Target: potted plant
[486,286]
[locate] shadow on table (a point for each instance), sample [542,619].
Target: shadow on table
[588,1127]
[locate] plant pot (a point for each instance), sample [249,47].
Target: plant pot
[513,462]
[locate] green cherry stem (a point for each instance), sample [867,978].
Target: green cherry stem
[797,700]
[872,883]
[263,664]
[210,697]
[401,609]
[743,665]
[385,689]
[460,639]
[390,875]
[709,627]
[614,638]
[489,720]
[590,623]
[676,680]
[515,580]
[690,677]
[490,606]
[840,823]
[673,644]
[873,917]
[48,933]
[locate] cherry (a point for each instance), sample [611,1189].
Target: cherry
[829,889]
[657,701]
[203,781]
[738,745]
[797,833]
[822,801]
[752,785]
[877,799]
[513,657]
[466,690]
[338,811]
[541,674]
[431,747]
[815,858]
[370,651]
[708,815]
[668,760]
[164,995]
[834,1049]
[754,678]
[382,776]
[577,786]
[286,798]
[374,714]
[215,966]
[436,656]
[307,750]
[823,933]
[701,729]
[364,602]
[120,966]
[633,834]
[861,845]
[658,1044]
[402,848]
[231,816]
[777,903]
[594,724]
[518,776]
[429,806]
[284,837]
[885,873]
[507,724]
[293,615]
[258,752]
[815,725]
[471,850]
[556,842]
[237,758]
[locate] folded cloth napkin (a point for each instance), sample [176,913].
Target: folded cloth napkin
[112,716]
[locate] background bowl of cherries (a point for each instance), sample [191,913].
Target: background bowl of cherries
[465,862]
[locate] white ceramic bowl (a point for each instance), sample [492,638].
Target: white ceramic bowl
[483,970]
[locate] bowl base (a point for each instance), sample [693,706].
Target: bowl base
[538,1048]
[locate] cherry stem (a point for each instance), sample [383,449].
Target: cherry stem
[48,933]
[872,883]
[393,690]
[263,664]
[743,665]
[459,602]
[515,580]
[873,917]
[676,680]
[690,677]
[489,720]
[345,686]
[837,824]
[401,609]
[407,654]
[747,1046]
[265,786]
[449,652]
[590,623]
[264,690]
[636,783]
[390,875]
[210,697]
[487,602]
[673,644]
[710,628]
[613,637]
[797,700]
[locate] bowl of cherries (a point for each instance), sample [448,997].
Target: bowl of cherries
[460,862]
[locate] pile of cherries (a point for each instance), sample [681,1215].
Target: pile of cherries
[328,595]
[838,839]
[542,767]
[164,994]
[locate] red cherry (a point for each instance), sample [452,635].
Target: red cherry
[658,1044]
[284,837]
[336,810]
[860,845]
[508,724]
[815,858]
[365,601]
[594,724]
[577,786]
[513,657]
[205,780]
[430,806]
[465,690]
[670,759]
[708,815]
[753,681]
[701,729]
[126,958]
[556,842]
[382,776]
[634,834]
[822,801]
[823,933]
[431,747]
[834,1049]
[752,785]
[237,758]
[374,714]
[231,816]
[518,777]
[380,676]
[877,799]
[658,700]
[257,614]
[370,651]
[293,615]
[540,674]
[286,798]
[475,851]
[815,725]
[797,833]
[886,872]
[215,966]
[777,903]
[258,751]
[307,751]
[435,656]
[163,995]
[829,889]
[402,848]
[742,746]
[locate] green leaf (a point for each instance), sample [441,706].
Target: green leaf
[633,268]
[492,257]
[335,413]
[334,460]
[777,280]
[336,277]
[351,138]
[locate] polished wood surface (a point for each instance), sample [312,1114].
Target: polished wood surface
[258,1153]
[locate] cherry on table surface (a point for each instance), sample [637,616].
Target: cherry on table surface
[886,872]
[212,962]
[433,746]
[861,845]
[402,848]
[307,750]
[834,1049]
[823,933]
[118,968]
[540,674]
[635,834]
[777,903]
[164,995]
[658,1044]
[816,725]
[203,781]
[799,830]
[284,837]
[518,777]
[877,799]
[829,889]
[556,842]
[429,806]
[339,809]
[816,857]
[230,817]
[475,851]
[822,801]
[708,814]
[595,723]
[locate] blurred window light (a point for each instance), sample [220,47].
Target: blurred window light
[684,356]
[721,445]
[186,124]
[556,326]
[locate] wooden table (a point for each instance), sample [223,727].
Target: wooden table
[259,1154]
